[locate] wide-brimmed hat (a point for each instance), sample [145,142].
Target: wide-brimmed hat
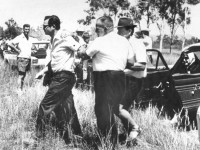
[125,22]
[145,29]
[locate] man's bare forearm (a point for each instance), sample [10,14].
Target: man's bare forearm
[14,48]
[137,66]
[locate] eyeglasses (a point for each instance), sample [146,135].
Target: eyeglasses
[45,26]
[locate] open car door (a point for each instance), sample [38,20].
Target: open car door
[186,79]
[157,71]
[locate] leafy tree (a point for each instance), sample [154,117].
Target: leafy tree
[40,34]
[178,16]
[136,14]
[147,10]
[12,29]
[113,8]
[154,12]
[1,32]
[185,16]
[160,18]
[192,40]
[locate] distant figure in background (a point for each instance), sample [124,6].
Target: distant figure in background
[87,65]
[147,42]
[78,61]
[22,44]
[1,43]
[86,37]
[198,122]
[79,34]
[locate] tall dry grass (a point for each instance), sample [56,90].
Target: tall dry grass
[18,114]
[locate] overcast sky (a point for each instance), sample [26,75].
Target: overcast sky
[33,11]
[69,11]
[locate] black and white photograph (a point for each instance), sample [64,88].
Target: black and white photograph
[100,75]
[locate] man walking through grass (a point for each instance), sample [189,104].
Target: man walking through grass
[59,97]
[22,44]
[110,53]
[134,76]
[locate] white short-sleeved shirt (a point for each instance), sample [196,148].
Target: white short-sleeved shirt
[147,42]
[24,45]
[62,53]
[140,56]
[110,52]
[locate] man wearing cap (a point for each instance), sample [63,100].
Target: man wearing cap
[134,75]
[110,53]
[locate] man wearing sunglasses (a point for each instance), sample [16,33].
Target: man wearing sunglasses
[59,97]
[110,53]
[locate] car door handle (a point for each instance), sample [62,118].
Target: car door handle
[195,88]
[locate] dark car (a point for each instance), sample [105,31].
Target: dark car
[175,88]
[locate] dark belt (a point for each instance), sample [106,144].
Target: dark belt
[63,72]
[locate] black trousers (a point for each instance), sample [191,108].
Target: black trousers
[133,87]
[59,99]
[109,89]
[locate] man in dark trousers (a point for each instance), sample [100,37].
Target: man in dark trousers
[134,75]
[59,94]
[110,53]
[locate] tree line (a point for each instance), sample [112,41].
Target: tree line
[174,13]
[12,30]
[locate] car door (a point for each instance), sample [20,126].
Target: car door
[157,71]
[186,79]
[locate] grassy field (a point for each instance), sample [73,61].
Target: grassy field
[18,114]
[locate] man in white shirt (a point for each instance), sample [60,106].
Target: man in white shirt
[147,42]
[22,44]
[134,75]
[59,97]
[87,70]
[110,53]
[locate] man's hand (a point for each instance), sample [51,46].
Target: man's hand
[40,74]
[138,66]
[81,53]
[82,50]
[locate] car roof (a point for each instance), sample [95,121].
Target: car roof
[189,46]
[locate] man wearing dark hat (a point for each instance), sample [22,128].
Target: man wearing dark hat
[110,53]
[133,75]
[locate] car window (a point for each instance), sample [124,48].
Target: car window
[41,46]
[193,64]
[45,46]
[188,63]
[156,62]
